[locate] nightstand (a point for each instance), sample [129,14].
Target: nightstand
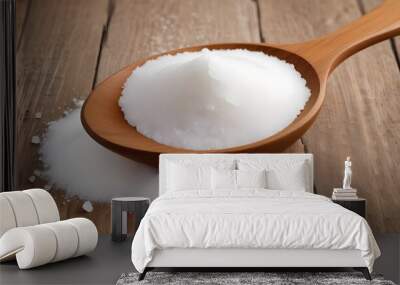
[358,205]
[120,207]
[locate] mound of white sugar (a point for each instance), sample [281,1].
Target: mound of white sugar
[79,165]
[213,99]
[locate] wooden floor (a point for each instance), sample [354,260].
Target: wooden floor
[66,47]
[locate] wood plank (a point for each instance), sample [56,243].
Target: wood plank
[144,27]
[392,222]
[21,12]
[368,5]
[56,62]
[297,147]
[71,207]
[360,116]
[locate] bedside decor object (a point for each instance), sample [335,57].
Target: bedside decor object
[347,174]
[31,231]
[345,193]
[120,207]
[358,205]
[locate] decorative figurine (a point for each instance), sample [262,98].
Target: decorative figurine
[347,174]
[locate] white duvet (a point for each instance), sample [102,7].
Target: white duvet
[251,218]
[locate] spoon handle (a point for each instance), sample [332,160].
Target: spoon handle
[329,51]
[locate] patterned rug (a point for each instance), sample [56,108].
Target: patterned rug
[243,278]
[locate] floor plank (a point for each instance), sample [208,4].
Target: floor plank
[360,119]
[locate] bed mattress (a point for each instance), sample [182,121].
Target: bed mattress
[250,219]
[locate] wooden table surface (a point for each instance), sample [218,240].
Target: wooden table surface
[66,47]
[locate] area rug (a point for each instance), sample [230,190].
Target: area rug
[243,278]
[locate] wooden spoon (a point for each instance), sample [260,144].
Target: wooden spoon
[315,60]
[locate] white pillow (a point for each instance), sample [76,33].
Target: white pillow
[181,177]
[282,174]
[236,179]
[223,179]
[293,179]
[193,173]
[251,178]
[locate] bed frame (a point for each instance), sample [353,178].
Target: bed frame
[249,259]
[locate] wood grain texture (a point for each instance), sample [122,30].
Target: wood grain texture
[368,5]
[297,147]
[141,28]
[56,62]
[22,8]
[359,117]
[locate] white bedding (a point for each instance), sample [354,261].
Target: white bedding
[251,218]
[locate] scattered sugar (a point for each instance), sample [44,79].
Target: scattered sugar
[37,172]
[35,140]
[79,165]
[87,206]
[213,99]
[38,115]
[77,102]
[32,179]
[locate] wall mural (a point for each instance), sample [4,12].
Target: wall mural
[87,151]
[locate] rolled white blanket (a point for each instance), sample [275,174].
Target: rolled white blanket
[40,244]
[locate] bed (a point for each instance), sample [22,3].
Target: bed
[246,211]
